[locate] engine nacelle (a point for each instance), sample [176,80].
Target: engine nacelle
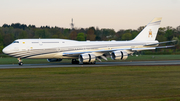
[54,60]
[119,55]
[87,58]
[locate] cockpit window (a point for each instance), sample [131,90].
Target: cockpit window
[16,42]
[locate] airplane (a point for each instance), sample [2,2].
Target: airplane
[54,50]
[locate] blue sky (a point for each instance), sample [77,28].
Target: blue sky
[115,14]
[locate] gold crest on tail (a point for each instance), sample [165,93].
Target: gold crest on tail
[150,33]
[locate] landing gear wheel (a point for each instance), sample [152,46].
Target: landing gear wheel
[20,63]
[94,62]
[74,61]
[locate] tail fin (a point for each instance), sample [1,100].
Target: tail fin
[149,33]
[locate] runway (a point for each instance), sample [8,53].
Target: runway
[126,63]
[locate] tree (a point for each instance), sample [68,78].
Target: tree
[81,37]
[107,34]
[66,33]
[169,33]
[126,36]
[91,34]
[32,26]
[47,33]
[16,25]
[23,26]
[134,34]
[98,34]
[73,35]
[40,33]
[7,39]
[140,28]
[177,47]
[119,34]
[23,35]
[178,28]
[5,25]
[161,38]
[1,42]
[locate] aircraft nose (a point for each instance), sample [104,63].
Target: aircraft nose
[5,50]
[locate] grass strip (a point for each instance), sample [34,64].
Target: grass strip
[158,83]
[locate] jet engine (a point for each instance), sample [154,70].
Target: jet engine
[87,58]
[54,60]
[121,55]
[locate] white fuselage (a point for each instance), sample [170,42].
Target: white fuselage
[59,48]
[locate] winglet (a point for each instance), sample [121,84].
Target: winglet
[149,33]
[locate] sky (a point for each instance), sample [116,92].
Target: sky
[113,14]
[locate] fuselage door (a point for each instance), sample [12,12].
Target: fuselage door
[40,42]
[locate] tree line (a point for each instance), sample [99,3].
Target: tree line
[9,33]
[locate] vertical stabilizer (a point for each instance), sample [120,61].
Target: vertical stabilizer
[149,33]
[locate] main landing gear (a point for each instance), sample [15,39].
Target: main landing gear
[74,61]
[20,62]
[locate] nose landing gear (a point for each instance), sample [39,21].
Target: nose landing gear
[20,62]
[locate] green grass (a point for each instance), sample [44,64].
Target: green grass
[135,83]
[153,57]
[10,60]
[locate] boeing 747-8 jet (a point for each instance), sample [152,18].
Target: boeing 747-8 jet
[84,51]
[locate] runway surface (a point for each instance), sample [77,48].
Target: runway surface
[133,63]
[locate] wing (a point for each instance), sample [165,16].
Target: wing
[108,52]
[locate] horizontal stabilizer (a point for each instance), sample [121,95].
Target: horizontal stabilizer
[166,46]
[141,49]
[161,43]
[151,48]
